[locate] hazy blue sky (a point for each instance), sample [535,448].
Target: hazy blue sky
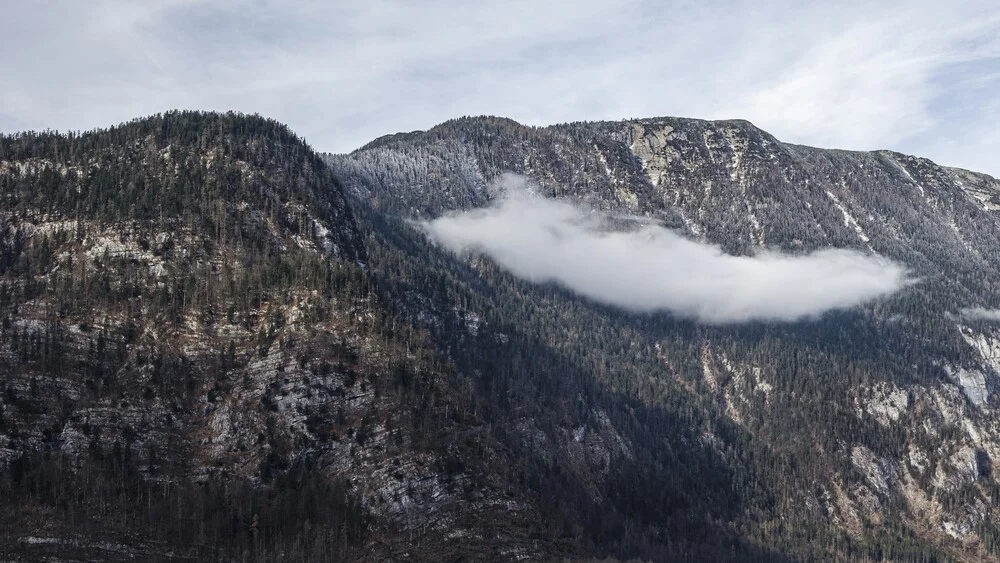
[917,76]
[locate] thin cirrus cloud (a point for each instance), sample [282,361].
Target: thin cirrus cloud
[916,76]
[654,269]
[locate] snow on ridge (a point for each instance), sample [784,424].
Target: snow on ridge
[899,166]
[849,220]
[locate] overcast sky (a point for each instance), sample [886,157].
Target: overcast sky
[917,76]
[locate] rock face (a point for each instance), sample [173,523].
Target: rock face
[216,345]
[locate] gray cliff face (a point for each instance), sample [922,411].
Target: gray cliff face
[911,366]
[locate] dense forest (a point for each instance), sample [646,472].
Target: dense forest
[216,344]
[196,364]
[773,429]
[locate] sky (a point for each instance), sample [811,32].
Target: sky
[651,268]
[919,76]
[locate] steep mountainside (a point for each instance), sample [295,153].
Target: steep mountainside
[193,364]
[217,345]
[868,432]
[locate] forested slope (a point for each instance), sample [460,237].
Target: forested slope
[217,345]
[867,432]
[194,364]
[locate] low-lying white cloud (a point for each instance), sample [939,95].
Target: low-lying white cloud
[980,314]
[654,269]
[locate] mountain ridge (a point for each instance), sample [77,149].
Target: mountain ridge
[223,327]
[732,186]
[745,123]
[189,343]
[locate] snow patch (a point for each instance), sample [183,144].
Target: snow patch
[849,220]
[756,230]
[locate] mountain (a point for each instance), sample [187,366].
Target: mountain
[217,344]
[865,433]
[195,366]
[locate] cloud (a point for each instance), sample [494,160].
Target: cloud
[863,75]
[980,314]
[650,268]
